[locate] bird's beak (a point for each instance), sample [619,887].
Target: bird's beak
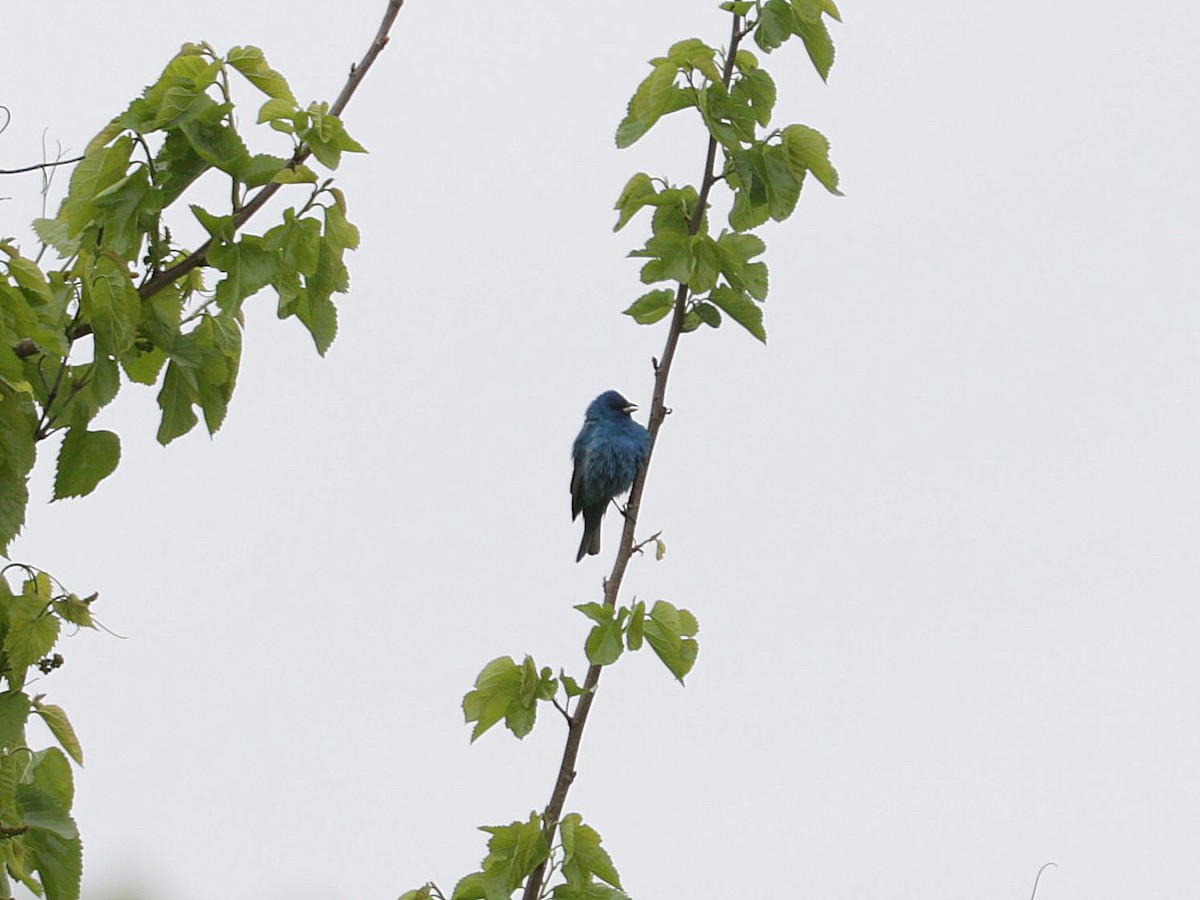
[632,407]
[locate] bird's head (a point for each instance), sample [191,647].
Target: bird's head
[610,405]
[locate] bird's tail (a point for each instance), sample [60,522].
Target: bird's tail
[590,545]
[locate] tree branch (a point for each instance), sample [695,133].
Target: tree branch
[41,165]
[612,584]
[26,348]
[357,72]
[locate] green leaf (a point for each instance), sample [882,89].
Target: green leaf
[806,148]
[14,712]
[110,302]
[708,314]
[817,42]
[86,458]
[124,211]
[32,628]
[97,171]
[638,192]
[704,264]
[514,851]
[504,690]
[693,53]
[637,623]
[39,809]
[56,234]
[651,307]
[259,169]
[669,247]
[175,399]
[775,25]
[217,143]
[75,611]
[757,90]
[178,165]
[741,309]
[670,632]
[603,645]
[296,174]
[17,453]
[651,101]
[220,228]
[143,367]
[249,266]
[738,7]
[570,685]
[51,774]
[783,188]
[583,857]
[59,863]
[327,137]
[251,63]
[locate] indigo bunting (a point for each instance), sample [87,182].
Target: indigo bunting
[607,452]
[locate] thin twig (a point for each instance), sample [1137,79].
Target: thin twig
[41,165]
[612,584]
[1038,878]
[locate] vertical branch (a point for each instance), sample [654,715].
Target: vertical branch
[612,584]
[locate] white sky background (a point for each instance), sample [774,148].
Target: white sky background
[940,533]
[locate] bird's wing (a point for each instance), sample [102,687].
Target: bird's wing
[577,488]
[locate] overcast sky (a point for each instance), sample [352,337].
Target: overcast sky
[940,533]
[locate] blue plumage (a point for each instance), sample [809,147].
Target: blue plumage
[607,452]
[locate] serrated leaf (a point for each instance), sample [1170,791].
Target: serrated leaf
[806,148]
[39,809]
[32,633]
[651,307]
[249,266]
[818,43]
[775,25]
[514,851]
[56,234]
[74,610]
[603,645]
[259,169]
[14,712]
[669,631]
[637,621]
[693,53]
[650,102]
[176,399]
[85,459]
[59,863]
[252,64]
[708,314]
[583,857]
[741,309]
[217,143]
[110,302]
[296,174]
[637,193]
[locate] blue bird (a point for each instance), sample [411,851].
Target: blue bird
[608,452]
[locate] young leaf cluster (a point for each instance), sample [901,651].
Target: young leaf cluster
[510,691]
[516,849]
[39,843]
[125,281]
[764,168]
[669,630]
